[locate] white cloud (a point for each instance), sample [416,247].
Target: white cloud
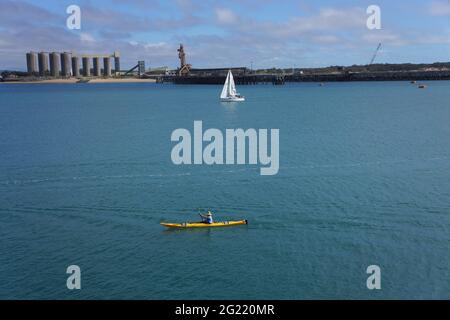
[327,39]
[225,16]
[86,37]
[435,39]
[440,8]
[384,37]
[328,20]
[3,43]
[155,45]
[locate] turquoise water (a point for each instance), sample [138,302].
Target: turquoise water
[86,177]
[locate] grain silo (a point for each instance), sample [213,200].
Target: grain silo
[32,63]
[54,64]
[107,66]
[116,63]
[66,64]
[86,67]
[75,66]
[43,64]
[96,66]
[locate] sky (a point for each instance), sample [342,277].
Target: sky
[232,33]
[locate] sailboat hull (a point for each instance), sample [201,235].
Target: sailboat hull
[232,99]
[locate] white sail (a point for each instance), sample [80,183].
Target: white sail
[224,93]
[232,86]
[229,90]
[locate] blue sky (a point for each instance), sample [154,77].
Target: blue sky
[267,33]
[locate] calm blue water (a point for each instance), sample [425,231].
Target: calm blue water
[86,178]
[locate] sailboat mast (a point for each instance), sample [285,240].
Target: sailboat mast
[229,83]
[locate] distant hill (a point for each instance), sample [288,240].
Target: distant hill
[378,67]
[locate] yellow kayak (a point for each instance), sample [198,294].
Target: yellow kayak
[187,225]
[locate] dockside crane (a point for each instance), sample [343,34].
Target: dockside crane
[184,67]
[375,54]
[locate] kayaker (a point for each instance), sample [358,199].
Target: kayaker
[208,218]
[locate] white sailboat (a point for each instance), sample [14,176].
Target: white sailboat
[229,93]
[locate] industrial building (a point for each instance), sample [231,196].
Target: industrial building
[219,72]
[186,69]
[67,64]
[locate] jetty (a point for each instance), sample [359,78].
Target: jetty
[185,74]
[275,79]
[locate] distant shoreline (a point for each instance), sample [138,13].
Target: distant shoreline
[75,80]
